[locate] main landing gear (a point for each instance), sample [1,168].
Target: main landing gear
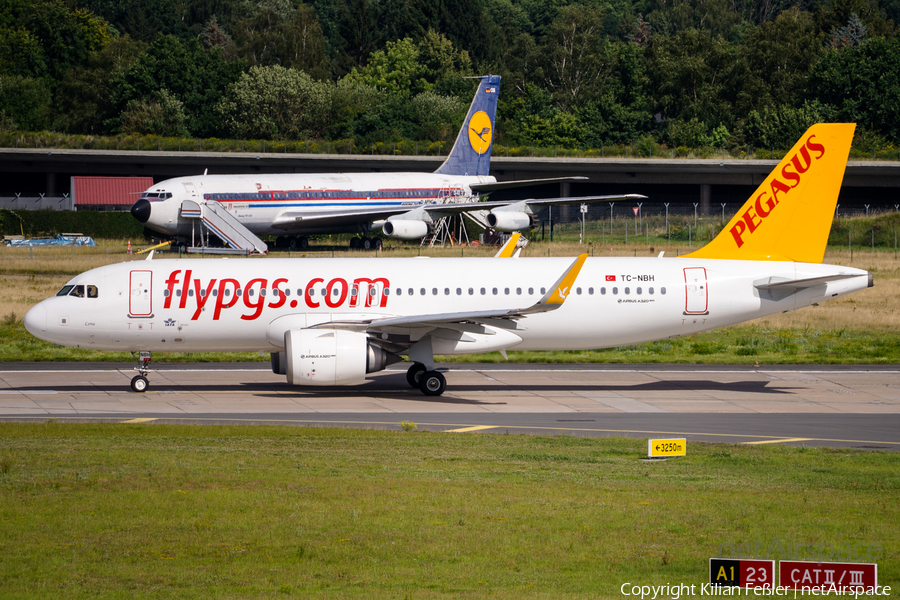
[366,243]
[431,383]
[139,382]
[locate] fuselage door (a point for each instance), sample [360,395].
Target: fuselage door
[140,302]
[696,296]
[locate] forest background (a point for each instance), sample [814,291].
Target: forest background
[681,73]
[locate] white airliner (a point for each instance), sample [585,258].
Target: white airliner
[402,205]
[331,321]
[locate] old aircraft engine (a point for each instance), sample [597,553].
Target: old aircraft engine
[405,230]
[507,220]
[331,357]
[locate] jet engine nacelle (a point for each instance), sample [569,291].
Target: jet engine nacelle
[405,230]
[507,220]
[331,357]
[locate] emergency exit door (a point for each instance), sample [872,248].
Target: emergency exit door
[696,293]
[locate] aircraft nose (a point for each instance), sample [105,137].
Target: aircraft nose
[36,320]
[141,210]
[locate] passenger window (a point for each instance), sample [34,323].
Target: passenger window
[543,291]
[203,293]
[530,291]
[191,293]
[471,291]
[651,291]
[627,290]
[459,291]
[239,291]
[262,292]
[65,290]
[422,291]
[616,290]
[92,291]
[590,291]
[411,292]
[166,293]
[494,291]
[434,291]
[506,291]
[638,290]
[482,291]
[603,291]
[372,291]
[446,291]
[518,291]
[353,291]
[578,291]
[387,291]
[662,291]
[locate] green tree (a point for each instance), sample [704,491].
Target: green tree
[395,69]
[576,59]
[862,84]
[24,102]
[84,100]
[160,114]
[196,77]
[776,59]
[692,75]
[276,103]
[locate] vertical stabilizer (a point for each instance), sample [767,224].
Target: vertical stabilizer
[471,154]
[789,216]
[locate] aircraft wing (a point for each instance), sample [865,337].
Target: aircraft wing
[297,219]
[487,188]
[551,300]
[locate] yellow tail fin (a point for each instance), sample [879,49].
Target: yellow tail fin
[789,216]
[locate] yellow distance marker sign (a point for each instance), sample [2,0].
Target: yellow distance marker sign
[666,448]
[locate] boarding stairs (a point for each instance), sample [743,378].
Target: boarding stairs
[214,219]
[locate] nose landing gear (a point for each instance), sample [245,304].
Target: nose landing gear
[139,382]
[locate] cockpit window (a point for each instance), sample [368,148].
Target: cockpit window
[77,291]
[65,291]
[92,291]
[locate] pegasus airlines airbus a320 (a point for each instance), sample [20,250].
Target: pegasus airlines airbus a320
[331,321]
[402,205]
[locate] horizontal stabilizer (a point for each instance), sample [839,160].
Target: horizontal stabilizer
[780,283]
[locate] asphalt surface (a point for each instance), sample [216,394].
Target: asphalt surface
[818,405]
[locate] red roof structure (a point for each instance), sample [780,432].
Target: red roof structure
[108,191]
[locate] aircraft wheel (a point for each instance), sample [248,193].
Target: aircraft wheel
[139,383]
[432,383]
[377,243]
[304,242]
[280,241]
[366,243]
[293,243]
[414,375]
[354,243]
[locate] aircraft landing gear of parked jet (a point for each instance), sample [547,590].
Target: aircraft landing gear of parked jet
[366,243]
[139,382]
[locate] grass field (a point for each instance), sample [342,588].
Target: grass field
[860,328]
[160,511]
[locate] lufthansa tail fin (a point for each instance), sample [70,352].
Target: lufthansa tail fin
[789,216]
[471,154]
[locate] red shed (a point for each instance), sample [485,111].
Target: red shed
[111,193]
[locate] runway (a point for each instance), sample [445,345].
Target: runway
[841,406]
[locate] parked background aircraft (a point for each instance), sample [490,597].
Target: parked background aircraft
[238,208]
[331,321]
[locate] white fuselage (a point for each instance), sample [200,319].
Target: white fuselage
[259,201]
[193,305]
